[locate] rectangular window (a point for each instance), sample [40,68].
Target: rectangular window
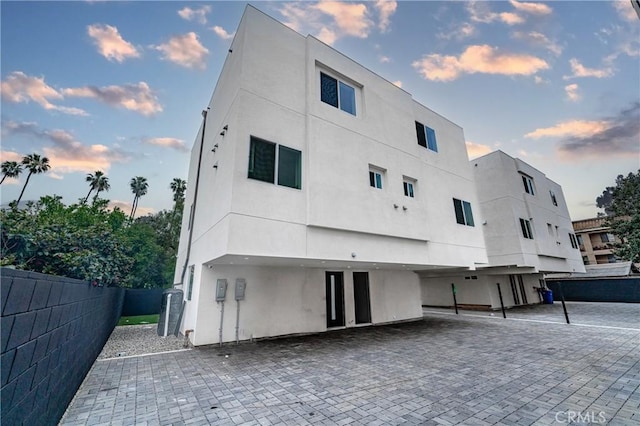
[289,167]
[262,160]
[337,94]
[528,185]
[607,237]
[190,217]
[574,241]
[408,188]
[550,229]
[553,198]
[190,286]
[426,137]
[526,229]
[464,215]
[375,177]
[263,163]
[579,239]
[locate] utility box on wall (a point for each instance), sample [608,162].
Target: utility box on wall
[170,311]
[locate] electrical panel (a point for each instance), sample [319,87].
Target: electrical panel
[221,290]
[241,285]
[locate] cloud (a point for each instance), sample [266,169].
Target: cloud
[344,19]
[458,32]
[125,206]
[177,144]
[475,150]
[580,70]
[185,50]
[539,39]
[67,154]
[619,137]
[531,8]
[478,59]
[571,128]
[199,15]
[572,92]
[625,10]
[135,97]
[110,43]
[19,87]
[386,8]
[398,83]
[480,12]
[222,33]
[539,80]
[384,59]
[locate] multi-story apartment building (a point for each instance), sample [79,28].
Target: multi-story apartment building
[318,191]
[313,180]
[527,231]
[595,240]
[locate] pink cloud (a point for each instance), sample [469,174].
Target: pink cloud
[110,43]
[185,50]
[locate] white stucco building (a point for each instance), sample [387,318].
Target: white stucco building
[324,187]
[527,232]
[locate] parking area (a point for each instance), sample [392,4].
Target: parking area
[473,369]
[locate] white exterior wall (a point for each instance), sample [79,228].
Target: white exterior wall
[283,240]
[483,291]
[503,202]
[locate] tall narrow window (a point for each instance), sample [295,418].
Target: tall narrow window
[553,198]
[337,93]
[426,137]
[464,215]
[525,225]
[262,160]
[528,185]
[289,167]
[408,187]
[574,241]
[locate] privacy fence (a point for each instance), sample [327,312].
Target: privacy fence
[53,329]
[597,290]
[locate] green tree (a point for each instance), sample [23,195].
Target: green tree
[36,165]
[178,187]
[624,216]
[10,169]
[97,182]
[139,187]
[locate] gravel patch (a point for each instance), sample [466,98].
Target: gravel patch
[128,340]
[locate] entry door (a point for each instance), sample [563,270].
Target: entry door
[335,299]
[361,297]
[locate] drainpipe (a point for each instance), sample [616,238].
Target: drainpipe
[195,195]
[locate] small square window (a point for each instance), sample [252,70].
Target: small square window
[464,215]
[408,188]
[375,179]
[337,94]
[262,160]
[289,167]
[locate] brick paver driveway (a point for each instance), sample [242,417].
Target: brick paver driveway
[470,369]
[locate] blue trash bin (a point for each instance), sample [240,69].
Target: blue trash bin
[547,297]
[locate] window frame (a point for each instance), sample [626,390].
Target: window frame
[554,200]
[376,177]
[409,187]
[340,87]
[463,212]
[426,136]
[277,175]
[529,186]
[526,228]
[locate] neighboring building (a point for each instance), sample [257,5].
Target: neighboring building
[595,240]
[527,231]
[324,187]
[321,191]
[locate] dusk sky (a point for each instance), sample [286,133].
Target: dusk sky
[119,86]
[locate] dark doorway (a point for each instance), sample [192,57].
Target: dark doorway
[361,297]
[335,299]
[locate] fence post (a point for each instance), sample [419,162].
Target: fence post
[564,307]
[504,315]
[455,302]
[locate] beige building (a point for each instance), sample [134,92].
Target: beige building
[595,241]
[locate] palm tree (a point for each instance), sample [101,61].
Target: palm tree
[98,182]
[11,169]
[139,187]
[36,165]
[178,186]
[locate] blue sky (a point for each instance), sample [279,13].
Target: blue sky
[119,86]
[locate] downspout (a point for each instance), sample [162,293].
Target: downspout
[195,196]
